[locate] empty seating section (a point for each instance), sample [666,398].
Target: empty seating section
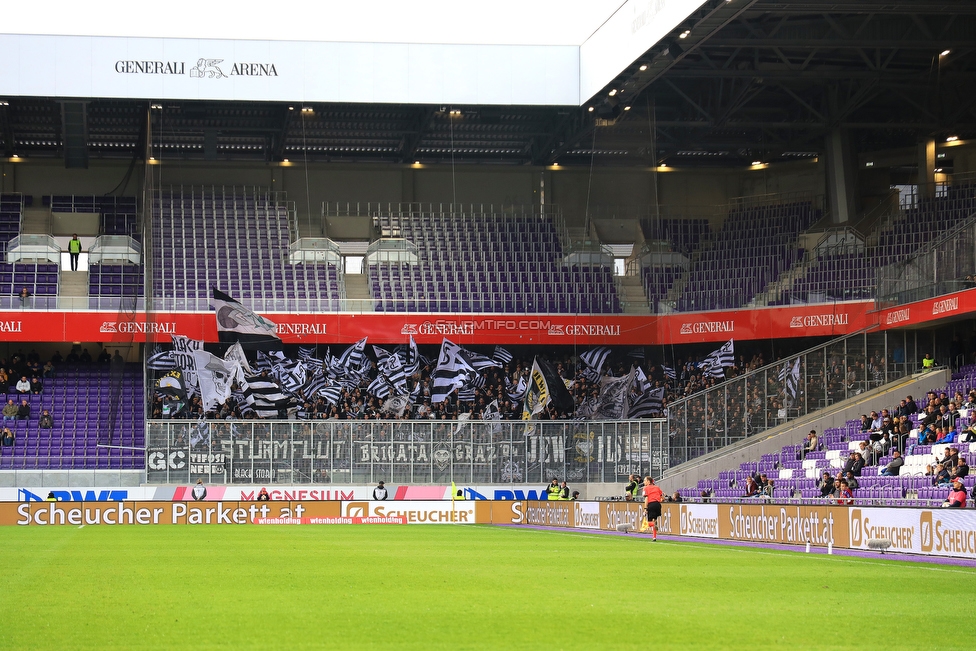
[852,274]
[795,477]
[684,235]
[487,263]
[98,422]
[658,280]
[236,241]
[11,215]
[753,247]
[40,279]
[109,280]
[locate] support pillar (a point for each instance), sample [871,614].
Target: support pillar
[840,177]
[926,168]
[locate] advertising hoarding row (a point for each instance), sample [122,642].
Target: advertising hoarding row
[935,532]
[504,329]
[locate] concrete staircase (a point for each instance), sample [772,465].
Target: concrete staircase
[630,289]
[357,293]
[36,221]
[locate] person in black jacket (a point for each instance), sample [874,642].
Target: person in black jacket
[24,410]
[826,485]
[380,493]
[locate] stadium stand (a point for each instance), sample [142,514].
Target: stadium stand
[235,239]
[754,245]
[795,476]
[98,421]
[473,262]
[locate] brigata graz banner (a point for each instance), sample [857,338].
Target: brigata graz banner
[512,329]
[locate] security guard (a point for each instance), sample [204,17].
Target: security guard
[632,489]
[552,492]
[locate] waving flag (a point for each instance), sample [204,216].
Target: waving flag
[238,323]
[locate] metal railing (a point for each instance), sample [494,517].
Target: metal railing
[417,452]
[945,265]
[788,389]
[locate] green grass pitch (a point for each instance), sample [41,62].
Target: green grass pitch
[457,587]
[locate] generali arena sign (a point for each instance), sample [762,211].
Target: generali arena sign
[608,329]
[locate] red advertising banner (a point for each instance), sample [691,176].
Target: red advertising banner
[932,309]
[507,329]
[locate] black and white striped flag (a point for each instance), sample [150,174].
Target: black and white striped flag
[265,396]
[160,360]
[595,358]
[352,358]
[453,371]
[501,355]
[669,372]
[649,405]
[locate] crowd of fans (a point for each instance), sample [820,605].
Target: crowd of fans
[886,435]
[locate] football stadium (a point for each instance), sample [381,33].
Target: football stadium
[574,324]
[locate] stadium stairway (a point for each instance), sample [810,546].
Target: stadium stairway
[792,433]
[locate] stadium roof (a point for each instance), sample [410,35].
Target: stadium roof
[749,80]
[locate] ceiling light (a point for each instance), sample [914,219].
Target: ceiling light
[944,53]
[416,162]
[952,138]
[938,169]
[590,109]
[284,160]
[685,33]
[613,92]
[643,67]
[662,166]
[870,163]
[291,108]
[156,107]
[626,108]
[757,162]
[3,103]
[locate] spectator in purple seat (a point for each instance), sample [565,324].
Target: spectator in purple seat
[46,421]
[957,495]
[849,464]
[931,416]
[876,421]
[866,452]
[865,423]
[24,296]
[961,470]
[844,493]
[912,408]
[10,410]
[6,437]
[752,487]
[36,386]
[943,435]
[23,410]
[4,381]
[941,476]
[902,409]
[23,385]
[810,444]
[826,485]
[927,435]
[948,459]
[894,466]
[48,370]
[852,481]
